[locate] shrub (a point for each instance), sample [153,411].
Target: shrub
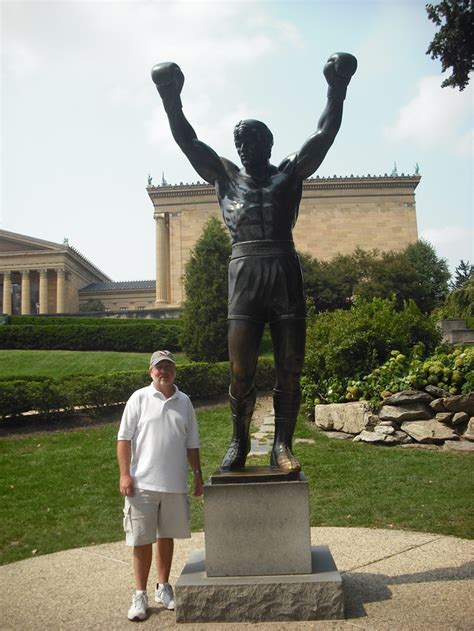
[451,369]
[345,345]
[198,380]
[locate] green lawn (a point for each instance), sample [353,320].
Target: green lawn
[60,489]
[63,363]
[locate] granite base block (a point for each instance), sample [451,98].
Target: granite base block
[315,596]
[257,528]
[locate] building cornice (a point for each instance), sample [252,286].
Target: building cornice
[311,184]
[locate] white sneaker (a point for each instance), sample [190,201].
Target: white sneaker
[164,595]
[139,606]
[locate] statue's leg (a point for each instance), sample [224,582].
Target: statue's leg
[288,344]
[244,342]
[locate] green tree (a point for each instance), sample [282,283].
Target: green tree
[463,272]
[433,273]
[453,43]
[391,275]
[204,332]
[92,305]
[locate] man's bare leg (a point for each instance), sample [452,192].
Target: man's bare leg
[164,558]
[142,556]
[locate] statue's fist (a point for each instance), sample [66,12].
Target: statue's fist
[339,68]
[168,78]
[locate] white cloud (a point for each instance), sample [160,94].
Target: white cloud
[434,116]
[452,242]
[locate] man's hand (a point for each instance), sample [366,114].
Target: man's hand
[338,72]
[198,486]
[169,81]
[126,485]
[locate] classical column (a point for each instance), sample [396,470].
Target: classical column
[60,291]
[43,291]
[25,292]
[162,258]
[7,293]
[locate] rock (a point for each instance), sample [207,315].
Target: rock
[376,438]
[400,413]
[469,433]
[459,418]
[431,431]
[437,405]
[436,392]
[388,430]
[403,438]
[460,403]
[387,424]
[408,396]
[444,417]
[346,417]
[459,445]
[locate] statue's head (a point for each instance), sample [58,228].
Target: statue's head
[253,141]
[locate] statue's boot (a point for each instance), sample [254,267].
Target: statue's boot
[241,410]
[286,406]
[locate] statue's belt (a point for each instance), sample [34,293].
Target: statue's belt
[262,248]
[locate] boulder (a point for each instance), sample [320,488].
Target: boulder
[376,438]
[459,445]
[431,431]
[408,396]
[469,433]
[437,393]
[351,418]
[444,417]
[437,405]
[460,403]
[407,412]
[459,418]
[388,430]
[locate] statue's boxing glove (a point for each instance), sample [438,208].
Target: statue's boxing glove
[169,80]
[338,72]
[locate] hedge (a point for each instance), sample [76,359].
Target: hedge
[86,321]
[139,338]
[198,380]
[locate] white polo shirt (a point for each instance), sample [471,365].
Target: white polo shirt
[160,430]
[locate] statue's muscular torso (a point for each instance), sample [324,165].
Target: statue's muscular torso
[259,211]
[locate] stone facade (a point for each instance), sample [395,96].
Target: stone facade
[336,216]
[41,277]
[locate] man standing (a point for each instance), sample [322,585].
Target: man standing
[259,205]
[158,434]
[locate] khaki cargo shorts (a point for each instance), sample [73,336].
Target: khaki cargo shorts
[149,515]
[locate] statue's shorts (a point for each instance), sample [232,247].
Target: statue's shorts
[265,282]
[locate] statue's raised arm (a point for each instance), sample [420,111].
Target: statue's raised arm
[169,81]
[338,72]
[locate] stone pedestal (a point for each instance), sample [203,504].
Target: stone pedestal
[257,528]
[258,564]
[315,596]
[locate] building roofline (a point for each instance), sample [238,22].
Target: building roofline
[314,183]
[58,247]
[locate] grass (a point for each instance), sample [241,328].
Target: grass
[20,363]
[60,490]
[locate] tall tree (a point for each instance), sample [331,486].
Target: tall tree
[433,273]
[453,44]
[463,272]
[204,334]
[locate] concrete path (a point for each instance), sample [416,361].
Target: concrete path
[393,581]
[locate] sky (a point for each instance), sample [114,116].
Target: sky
[82,125]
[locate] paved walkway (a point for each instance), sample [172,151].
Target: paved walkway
[392,580]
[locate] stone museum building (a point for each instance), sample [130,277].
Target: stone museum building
[336,216]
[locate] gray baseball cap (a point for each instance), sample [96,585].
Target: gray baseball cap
[159,356]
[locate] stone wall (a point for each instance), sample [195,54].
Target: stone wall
[409,418]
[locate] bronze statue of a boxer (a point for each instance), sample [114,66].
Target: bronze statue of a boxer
[259,204]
